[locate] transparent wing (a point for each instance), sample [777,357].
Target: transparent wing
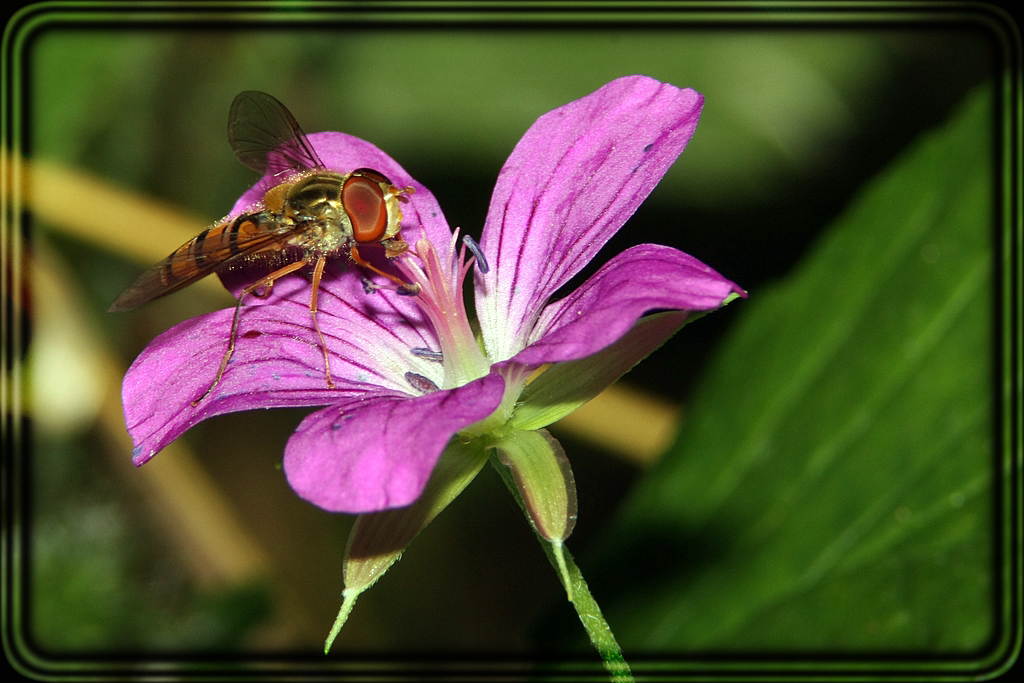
[266,137]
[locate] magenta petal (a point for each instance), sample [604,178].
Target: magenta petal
[579,172]
[375,452]
[643,278]
[277,361]
[177,367]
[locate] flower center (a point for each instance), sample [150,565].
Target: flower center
[440,298]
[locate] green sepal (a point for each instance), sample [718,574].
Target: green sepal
[564,387]
[541,477]
[378,539]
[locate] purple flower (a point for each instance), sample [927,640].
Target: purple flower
[409,372]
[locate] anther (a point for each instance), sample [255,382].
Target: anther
[418,381]
[474,248]
[408,289]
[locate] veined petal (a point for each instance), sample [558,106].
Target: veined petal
[579,172]
[277,361]
[179,366]
[641,279]
[377,451]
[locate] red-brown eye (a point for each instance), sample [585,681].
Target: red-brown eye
[372,175]
[364,201]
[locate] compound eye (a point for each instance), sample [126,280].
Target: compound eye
[364,202]
[372,175]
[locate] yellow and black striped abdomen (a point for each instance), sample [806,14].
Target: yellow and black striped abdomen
[211,250]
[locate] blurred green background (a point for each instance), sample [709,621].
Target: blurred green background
[799,118]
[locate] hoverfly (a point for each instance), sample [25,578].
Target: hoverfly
[311,215]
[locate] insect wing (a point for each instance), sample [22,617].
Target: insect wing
[214,249]
[266,137]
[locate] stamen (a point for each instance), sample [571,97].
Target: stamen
[418,381]
[428,354]
[408,289]
[474,248]
[440,299]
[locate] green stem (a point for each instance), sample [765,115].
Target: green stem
[597,628]
[590,614]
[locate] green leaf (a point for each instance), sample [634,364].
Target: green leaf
[833,489]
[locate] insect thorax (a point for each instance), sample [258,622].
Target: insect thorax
[313,205]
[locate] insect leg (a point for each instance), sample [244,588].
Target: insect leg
[266,291]
[318,272]
[403,287]
[267,281]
